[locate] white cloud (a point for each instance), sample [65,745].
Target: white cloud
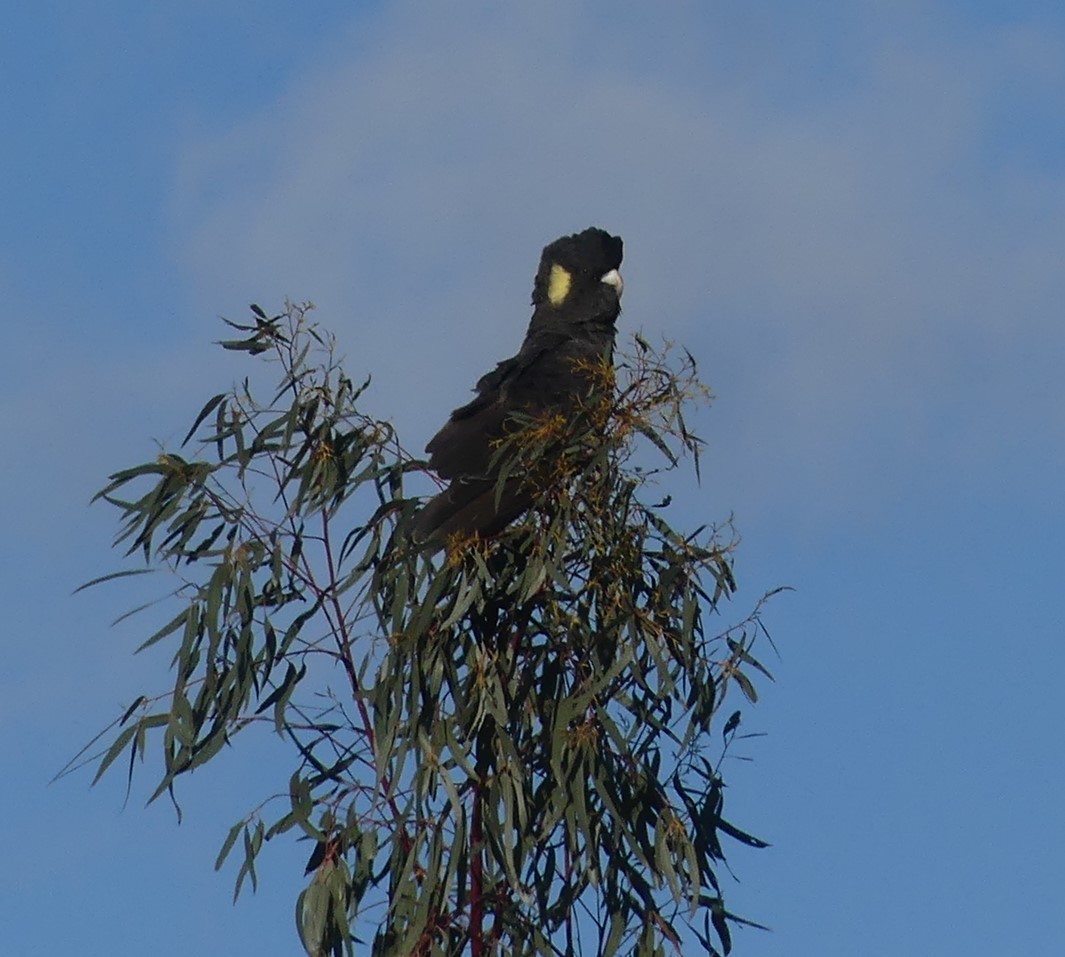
[847,264]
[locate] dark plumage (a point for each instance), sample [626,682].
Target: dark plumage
[576,302]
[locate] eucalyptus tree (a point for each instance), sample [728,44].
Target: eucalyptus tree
[507,746]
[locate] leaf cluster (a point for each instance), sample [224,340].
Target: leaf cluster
[505,749]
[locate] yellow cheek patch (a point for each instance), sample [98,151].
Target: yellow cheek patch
[558,284]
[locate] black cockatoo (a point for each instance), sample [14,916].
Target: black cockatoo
[576,302]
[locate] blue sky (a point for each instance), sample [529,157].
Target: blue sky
[853,214]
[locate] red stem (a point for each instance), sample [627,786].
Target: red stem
[477,944]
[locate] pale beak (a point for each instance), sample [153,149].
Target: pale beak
[613,278]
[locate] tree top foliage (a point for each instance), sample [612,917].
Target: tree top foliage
[508,747]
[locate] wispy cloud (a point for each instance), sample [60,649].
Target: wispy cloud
[847,264]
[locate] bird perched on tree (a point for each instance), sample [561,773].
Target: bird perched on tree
[576,302]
